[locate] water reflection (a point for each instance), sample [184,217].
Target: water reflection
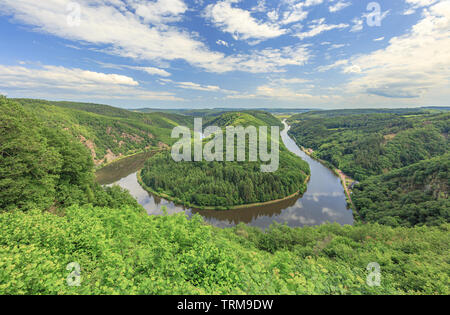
[324,201]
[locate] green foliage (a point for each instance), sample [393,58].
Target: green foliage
[223,184]
[401,157]
[29,167]
[245,119]
[413,195]
[123,251]
[370,144]
[44,168]
[107,131]
[226,184]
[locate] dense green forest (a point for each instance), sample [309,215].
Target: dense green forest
[372,144]
[46,168]
[52,214]
[125,251]
[222,185]
[400,156]
[108,132]
[413,195]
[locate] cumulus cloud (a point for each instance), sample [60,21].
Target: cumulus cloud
[411,65]
[161,11]
[126,29]
[75,82]
[239,22]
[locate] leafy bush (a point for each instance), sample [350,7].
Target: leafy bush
[124,251]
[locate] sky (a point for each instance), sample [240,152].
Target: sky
[228,53]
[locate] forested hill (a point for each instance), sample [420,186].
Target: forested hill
[245,119]
[372,144]
[223,185]
[413,195]
[106,131]
[401,160]
[53,214]
[46,168]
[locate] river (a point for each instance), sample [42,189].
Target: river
[324,201]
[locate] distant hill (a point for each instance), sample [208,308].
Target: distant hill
[246,118]
[442,108]
[219,111]
[349,112]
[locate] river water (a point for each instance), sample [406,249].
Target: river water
[323,202]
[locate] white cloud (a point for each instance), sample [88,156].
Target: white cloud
[152,71]
[75,82]
[272,60]
[239,22]
[412,65]
[290,81]
[285,89]
[358,25]
[358,22]
[292,11]
[271,92]
[161,11]
[416,4]
[336,64]
[197,86]
[149,70]
[116,26]
[319,26]
[337,46]
[222,43]
[295,13]
[339,6]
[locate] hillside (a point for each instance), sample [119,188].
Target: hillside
[245,119]
[223,185]
[372,144]
[413,195]
[46,168]
[108,132]
[53,214]
[125,251]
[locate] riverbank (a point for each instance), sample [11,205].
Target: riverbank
[343,177]
[306,209]
[237,207]
[99,167]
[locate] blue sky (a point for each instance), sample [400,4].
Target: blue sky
[229,53]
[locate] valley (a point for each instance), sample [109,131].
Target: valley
[57,205]
[324,200]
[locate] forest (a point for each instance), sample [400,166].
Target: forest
[400,156]
[108,132]
[413,195]
[52,213]
[223,185]
[46,168]
[363,145]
